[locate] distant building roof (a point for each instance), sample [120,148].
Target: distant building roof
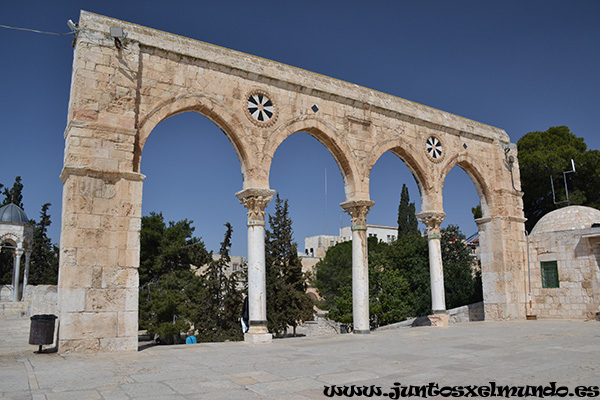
[13,214]
[567,219]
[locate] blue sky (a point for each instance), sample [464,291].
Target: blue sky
[519,65]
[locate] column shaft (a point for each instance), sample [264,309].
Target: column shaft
[436,272]
[358,210]
[26,273]
[16,274]
[360,281]
[257,286]
[433,220]
[255,200]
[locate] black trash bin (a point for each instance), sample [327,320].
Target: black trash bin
[42,330]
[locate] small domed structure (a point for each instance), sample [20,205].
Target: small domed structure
[564,270]
[14,214]
[16,236]
[567,219]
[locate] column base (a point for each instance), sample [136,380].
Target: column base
[361,332]
[258,337]
[258,333]
[438,319]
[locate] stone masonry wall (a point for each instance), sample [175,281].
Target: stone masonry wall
[578,296]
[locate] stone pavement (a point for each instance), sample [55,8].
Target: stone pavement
[508,353]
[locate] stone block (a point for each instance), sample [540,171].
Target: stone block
[88,325]
[119,277]
[78,345]
[105,300]
[74,276]
[86,257]
[128,324]
[439,320]
[258,338]
[71,299]
[131,299]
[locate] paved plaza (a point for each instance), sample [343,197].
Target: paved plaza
[508,353]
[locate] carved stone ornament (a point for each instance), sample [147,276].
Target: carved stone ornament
[358,210]
[260,108]
[434,149]
[255,200]
[432,220]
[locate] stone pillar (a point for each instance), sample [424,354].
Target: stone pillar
[16,274]
[255,200]
[99,260]
[433,220]
[26,273]
[358,210]
[503,256]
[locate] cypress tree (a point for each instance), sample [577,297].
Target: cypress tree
[407,221]
[218,318]
[43,268]
[14,195]
[288,304]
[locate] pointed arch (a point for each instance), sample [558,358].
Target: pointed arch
[207,106]
[327,136]
[404,152]
[477,177]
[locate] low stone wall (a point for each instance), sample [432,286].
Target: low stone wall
[5,292]
[468,313]
[41,299]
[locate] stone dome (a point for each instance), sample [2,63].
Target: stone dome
[567,219]
[12,213]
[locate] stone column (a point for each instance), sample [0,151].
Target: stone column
[16,274]
[26,273]
[433,220]
[255,200]
[358,210]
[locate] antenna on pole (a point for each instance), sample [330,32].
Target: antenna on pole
[566,187]
[326,231]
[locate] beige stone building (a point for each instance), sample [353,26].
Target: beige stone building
[564,248]
[128,78]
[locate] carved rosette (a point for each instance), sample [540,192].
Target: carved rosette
[358,210]
[255,201]
[432,220]
[260,108]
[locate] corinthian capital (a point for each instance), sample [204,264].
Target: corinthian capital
[432,220]
[358,210]
[255,200]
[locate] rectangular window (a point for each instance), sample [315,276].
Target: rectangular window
[549,274]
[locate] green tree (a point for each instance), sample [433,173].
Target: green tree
[549,153]
[388,289]
[407,221]
[477,213]
[288,304]
[169,288]
[6,265]
[13,195]
[333,275]
[409,255]
[462,286]
[43,267]
[217,316]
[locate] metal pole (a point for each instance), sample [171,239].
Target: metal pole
[529,315]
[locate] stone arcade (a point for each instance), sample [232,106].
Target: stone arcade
[123,87]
